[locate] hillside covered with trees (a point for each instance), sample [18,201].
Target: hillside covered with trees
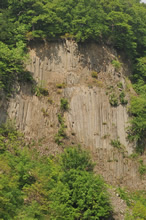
[38,187]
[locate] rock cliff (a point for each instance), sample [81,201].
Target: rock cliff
[85,76]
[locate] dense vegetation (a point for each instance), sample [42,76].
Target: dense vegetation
[136,201]
[40,187]
[118,23]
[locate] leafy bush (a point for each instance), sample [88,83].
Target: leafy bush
[113,100]
[116,64]
[140,69]
[137,130]
[137,204]
[142,168]
[120,85]
[94,74]
[80,194]
[116,143]
[64,104]
[122,98]
[76,158]
[60,135]
[39,90]
[11,66]
[124,195]
[61,132]
[38,187]
[61,85]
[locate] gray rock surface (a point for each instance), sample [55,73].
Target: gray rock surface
[91,120]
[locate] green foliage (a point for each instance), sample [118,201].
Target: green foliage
[120,85]
[94,74]
[116,143]
[137,203]
[139,211]
[121,23]
[138,105]
[116,64]
[40,91]
[124,195]
[11,66]
[142,168]
[134,155]
[61,132]
[64,104]
[122,98]
[113,100]
[80,194]
[60,86]
[140,69]
[60,135]
[38,187]
[76,158]
[138,123]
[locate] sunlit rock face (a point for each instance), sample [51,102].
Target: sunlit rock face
[85,76]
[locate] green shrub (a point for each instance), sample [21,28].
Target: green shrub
[76,158]
[61,132]
[94,74]
[116,64]
[113,100]
[137,130]
[12,69]
[39,91]
[120,85]
[124,195]
[64,104]
[38,187]
[138,211]
[116,143]
[142,168]
[61,85]
[80,194]
[60,135]
[68,36]
[122,98]
[134,155]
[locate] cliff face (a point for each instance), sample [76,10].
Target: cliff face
[85,75]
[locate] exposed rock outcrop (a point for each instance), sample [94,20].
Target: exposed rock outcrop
[66,69]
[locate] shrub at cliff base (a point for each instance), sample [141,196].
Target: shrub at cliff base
[38,187]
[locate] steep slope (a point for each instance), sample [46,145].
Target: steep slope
[87,77]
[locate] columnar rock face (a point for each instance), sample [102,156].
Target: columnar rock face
[83,74]
[93,120]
